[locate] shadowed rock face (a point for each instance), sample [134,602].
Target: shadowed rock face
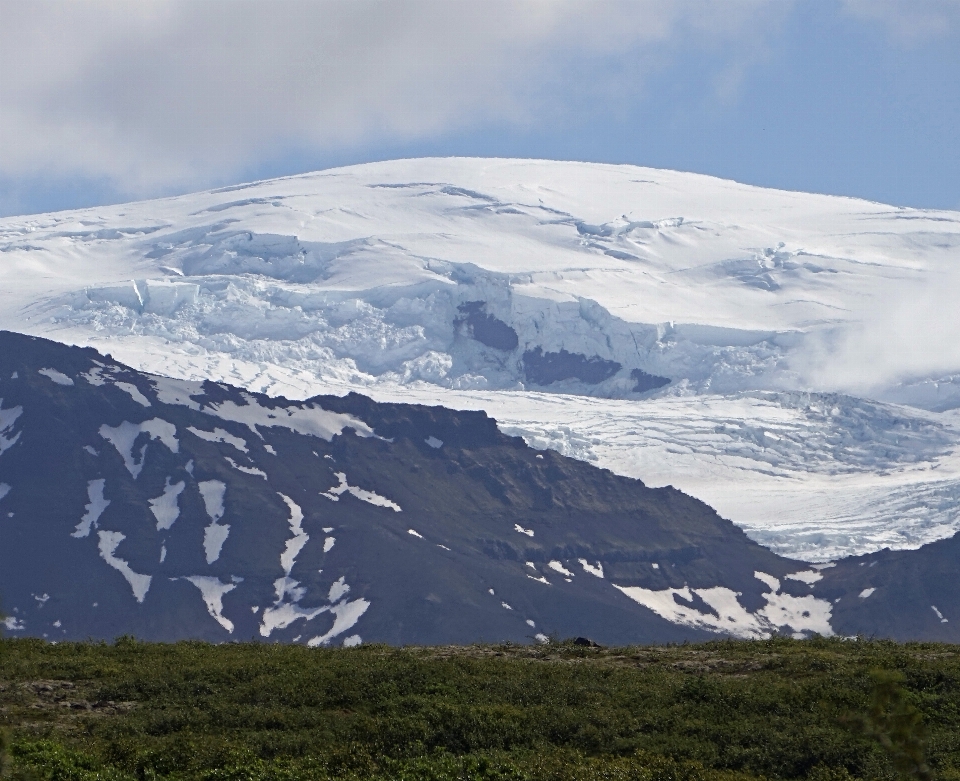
[486,328]
[135,504]
[904,595]
[545,368]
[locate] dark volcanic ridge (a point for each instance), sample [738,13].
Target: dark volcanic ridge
[165,509]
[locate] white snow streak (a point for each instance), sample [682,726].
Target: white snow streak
[769,580]
[134,392]
[282,615]
[300,538]
[593,570]
[213,591]
[124,436]
[247,470]
[286,608]
[338,590]
[311,420]
[557,566]
[109,541]
[214,535]
[347,614]
[95,376]
[219,435]
[165,508]
[365,496]
[808,576]
[94,508]
[58,377]
[7,418]
[179,392]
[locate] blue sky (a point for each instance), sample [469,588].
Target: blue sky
[102,102]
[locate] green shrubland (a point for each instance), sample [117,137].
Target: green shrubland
[826,710]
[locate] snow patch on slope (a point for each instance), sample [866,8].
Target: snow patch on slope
[310,419]
[124,436]
[213,591]
[177,391]
[133,392]
[109,541]
[802,615]
[94,508]
[363,495]
[219,435]
[214,535]
[247,470]
[57,376]
[295,544]
[286,609]
[596,571]
[165,508]
[346,614]
[7,418]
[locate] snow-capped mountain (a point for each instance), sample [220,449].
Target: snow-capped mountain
[164,508]
[791,359]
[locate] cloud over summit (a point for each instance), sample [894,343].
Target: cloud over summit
[156,95]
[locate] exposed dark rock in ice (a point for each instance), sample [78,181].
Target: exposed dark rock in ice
[544,368]
[486,328]
[647,382]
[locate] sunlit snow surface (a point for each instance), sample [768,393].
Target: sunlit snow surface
[792,326]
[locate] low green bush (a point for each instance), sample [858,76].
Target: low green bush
[725,711]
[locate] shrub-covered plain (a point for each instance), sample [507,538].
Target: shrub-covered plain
[728,711]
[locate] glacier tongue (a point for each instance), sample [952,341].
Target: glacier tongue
[750,346]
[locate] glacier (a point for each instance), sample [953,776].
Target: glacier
[788,358]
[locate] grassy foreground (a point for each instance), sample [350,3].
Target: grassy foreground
[725,711]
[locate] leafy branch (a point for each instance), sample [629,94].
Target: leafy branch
[896,724]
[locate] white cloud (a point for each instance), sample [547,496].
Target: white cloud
[909,334]
[153,94]
[909,22]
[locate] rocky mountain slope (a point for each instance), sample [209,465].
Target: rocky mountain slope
[138,504]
